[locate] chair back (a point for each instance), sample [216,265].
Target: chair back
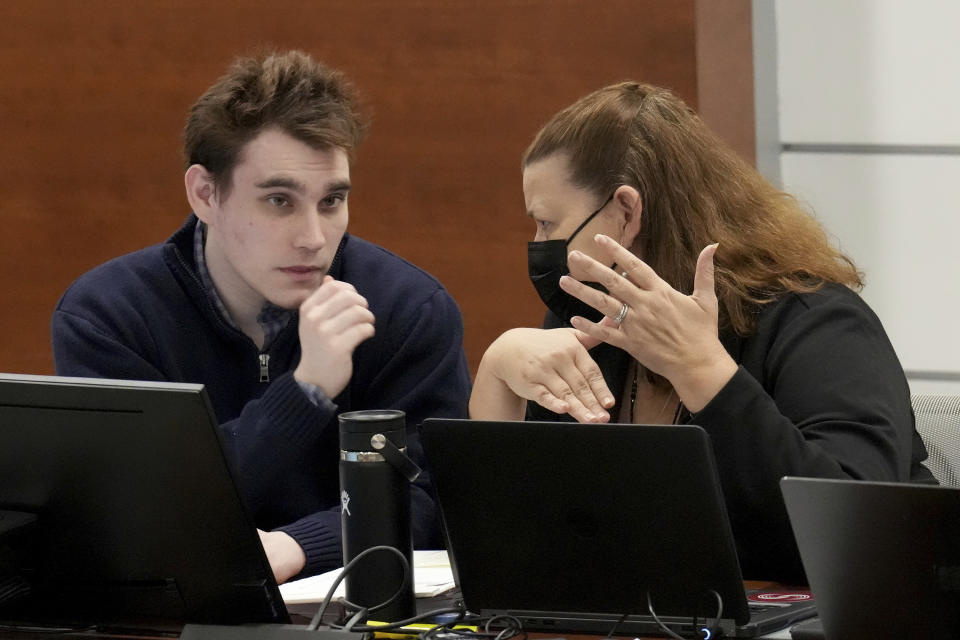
[938,422]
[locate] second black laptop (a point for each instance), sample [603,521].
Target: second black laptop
[883,558]
[572,527]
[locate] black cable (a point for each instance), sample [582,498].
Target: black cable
[443,631]
[505,616]
[448,633]
[660,624]
[716,621]
[456,634]
[614,627]
[400,623]
[671,633]
[404,582]
[509,631]
[315,622]
[512,631]
[355,618]
[446,627]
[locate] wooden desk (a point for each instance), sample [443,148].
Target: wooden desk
[300,614]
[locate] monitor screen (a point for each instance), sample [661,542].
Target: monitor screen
[120,509]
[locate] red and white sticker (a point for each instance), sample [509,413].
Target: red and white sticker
[772,597]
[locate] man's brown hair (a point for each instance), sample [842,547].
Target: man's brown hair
[287,91]
[694,191]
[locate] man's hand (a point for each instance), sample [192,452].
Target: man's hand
[333,321]
[284,554]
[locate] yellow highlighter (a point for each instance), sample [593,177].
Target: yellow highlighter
[409,631]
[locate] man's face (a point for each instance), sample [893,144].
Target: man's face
[275,234]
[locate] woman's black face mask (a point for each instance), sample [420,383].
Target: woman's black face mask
[547,263]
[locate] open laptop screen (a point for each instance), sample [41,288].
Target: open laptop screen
[137,520]
[883,558]
[565,517]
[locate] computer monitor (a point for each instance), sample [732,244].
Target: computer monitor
[138,523]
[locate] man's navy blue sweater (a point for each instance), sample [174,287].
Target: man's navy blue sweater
[146,316]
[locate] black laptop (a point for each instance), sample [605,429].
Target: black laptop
[578,528]
[118,511]
[883,559]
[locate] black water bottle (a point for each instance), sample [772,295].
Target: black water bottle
[375,477]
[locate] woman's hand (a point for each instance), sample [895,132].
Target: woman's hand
[668,332]
[550,367]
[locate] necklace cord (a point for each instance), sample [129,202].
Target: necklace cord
[634,387]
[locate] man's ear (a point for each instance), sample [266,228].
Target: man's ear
[626,199]
[201,192]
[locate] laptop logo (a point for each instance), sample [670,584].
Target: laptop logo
[780,596]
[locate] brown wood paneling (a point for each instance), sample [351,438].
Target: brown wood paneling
[725,72]
[94,94]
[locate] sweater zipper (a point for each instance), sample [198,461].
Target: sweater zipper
[264,358]
[264,367]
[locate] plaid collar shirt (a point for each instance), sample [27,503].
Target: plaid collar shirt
[272,319]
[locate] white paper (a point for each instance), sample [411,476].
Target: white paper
[431,576]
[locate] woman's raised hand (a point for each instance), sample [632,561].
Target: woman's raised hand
[668,332]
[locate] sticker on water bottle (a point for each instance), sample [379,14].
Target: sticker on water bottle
[345,503]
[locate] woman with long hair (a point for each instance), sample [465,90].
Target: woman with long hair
[682,287]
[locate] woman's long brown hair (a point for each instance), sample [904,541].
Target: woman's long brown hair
[694,191]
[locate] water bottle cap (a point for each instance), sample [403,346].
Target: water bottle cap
[357,427]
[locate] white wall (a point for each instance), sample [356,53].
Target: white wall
[869,71]
[869,133]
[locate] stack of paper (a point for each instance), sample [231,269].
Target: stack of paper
[431,577]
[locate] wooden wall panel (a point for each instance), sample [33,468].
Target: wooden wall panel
[725,72]
[94,94]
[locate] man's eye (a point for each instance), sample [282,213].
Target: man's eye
[332,201]
[278,201]
[543,225]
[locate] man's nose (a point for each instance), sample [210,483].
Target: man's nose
[311,236]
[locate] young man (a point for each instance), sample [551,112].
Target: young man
[265,299]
